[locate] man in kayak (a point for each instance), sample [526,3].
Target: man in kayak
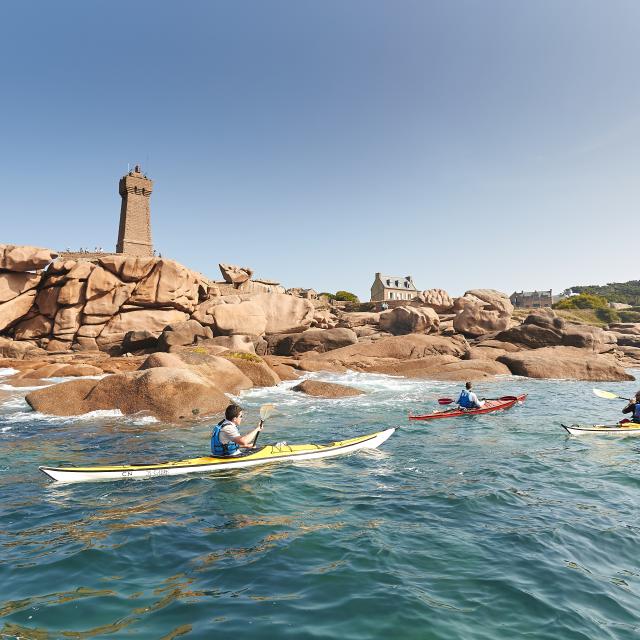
[634,408]
[226,439]
[468,399]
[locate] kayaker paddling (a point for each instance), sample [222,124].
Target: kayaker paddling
[468,399]
[226,439]
[634,408]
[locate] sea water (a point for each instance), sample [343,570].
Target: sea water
[494,526]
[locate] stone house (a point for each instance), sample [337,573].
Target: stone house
[532,299]
[392,288]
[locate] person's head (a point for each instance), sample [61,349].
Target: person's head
[637,396]
[468,386]
[233,413]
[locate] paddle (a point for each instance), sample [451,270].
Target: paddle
[265,411]
[608,395]
[451,401]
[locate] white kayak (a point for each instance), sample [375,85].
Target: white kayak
[624,429]
[271,453]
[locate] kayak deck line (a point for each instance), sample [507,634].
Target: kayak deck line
[624,428]
[497,405]
[269,453]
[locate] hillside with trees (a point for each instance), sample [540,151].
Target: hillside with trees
[626,292]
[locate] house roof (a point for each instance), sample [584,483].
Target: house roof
[531,293]
[398,282]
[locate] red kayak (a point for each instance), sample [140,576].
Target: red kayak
[490,405]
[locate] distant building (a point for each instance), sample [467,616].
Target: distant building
[392,288]
[532,299]
[134,233]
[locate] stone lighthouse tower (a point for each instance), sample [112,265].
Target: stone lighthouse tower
[134,234]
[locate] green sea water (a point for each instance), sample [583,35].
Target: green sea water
[490,527]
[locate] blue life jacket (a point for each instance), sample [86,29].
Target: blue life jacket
[465,400]
[219,450]
[636,412]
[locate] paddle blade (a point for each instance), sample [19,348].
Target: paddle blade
[266,410]
[605,394]
[445,401]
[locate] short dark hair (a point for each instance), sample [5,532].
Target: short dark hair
[468,385]
[232,411]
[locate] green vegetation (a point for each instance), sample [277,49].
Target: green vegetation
[346,296]
[242,355]
[583,301]
[608,315]
[331,296]
[629,315]
[627,292]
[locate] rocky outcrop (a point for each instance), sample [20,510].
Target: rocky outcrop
[23,258]
[443,368]
[350,320]
[245,318]
[564,362]
[183,333]
[170,394]
[82,305]
[482,311]
[235,343]
[404,320]
[326,389]
[15,309]
[255,368]
[545,329]
[365,356]
[235,275]
[319,340]
[14,284]
[437,299]
[283,313]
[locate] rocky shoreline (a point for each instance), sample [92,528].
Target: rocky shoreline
[159,338]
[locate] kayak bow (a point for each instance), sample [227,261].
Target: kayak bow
[270,453]
[490,405]
[624,428]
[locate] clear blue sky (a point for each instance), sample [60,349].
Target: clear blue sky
[467,143]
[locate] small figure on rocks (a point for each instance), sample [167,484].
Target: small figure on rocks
[468,399]
[226,439]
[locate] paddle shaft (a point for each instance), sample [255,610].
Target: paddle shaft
[260,424]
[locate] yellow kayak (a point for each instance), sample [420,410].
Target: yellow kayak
[280,452]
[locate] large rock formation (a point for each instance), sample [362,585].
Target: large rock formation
[403,320]
[319,340]
[326,389]
[367,356]
[169,394]
[545,329]
[235,275]
[437,299]
[482,311]
[564,362]
[23,258]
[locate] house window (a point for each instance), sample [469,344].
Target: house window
[396,283]
[388,282]
[390,295]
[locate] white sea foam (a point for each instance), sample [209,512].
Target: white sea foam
[17,402]
[143,420]
[8,387]
[7,371]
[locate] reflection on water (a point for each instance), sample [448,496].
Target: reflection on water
[501,522]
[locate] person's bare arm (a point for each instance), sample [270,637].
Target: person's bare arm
[247,439]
